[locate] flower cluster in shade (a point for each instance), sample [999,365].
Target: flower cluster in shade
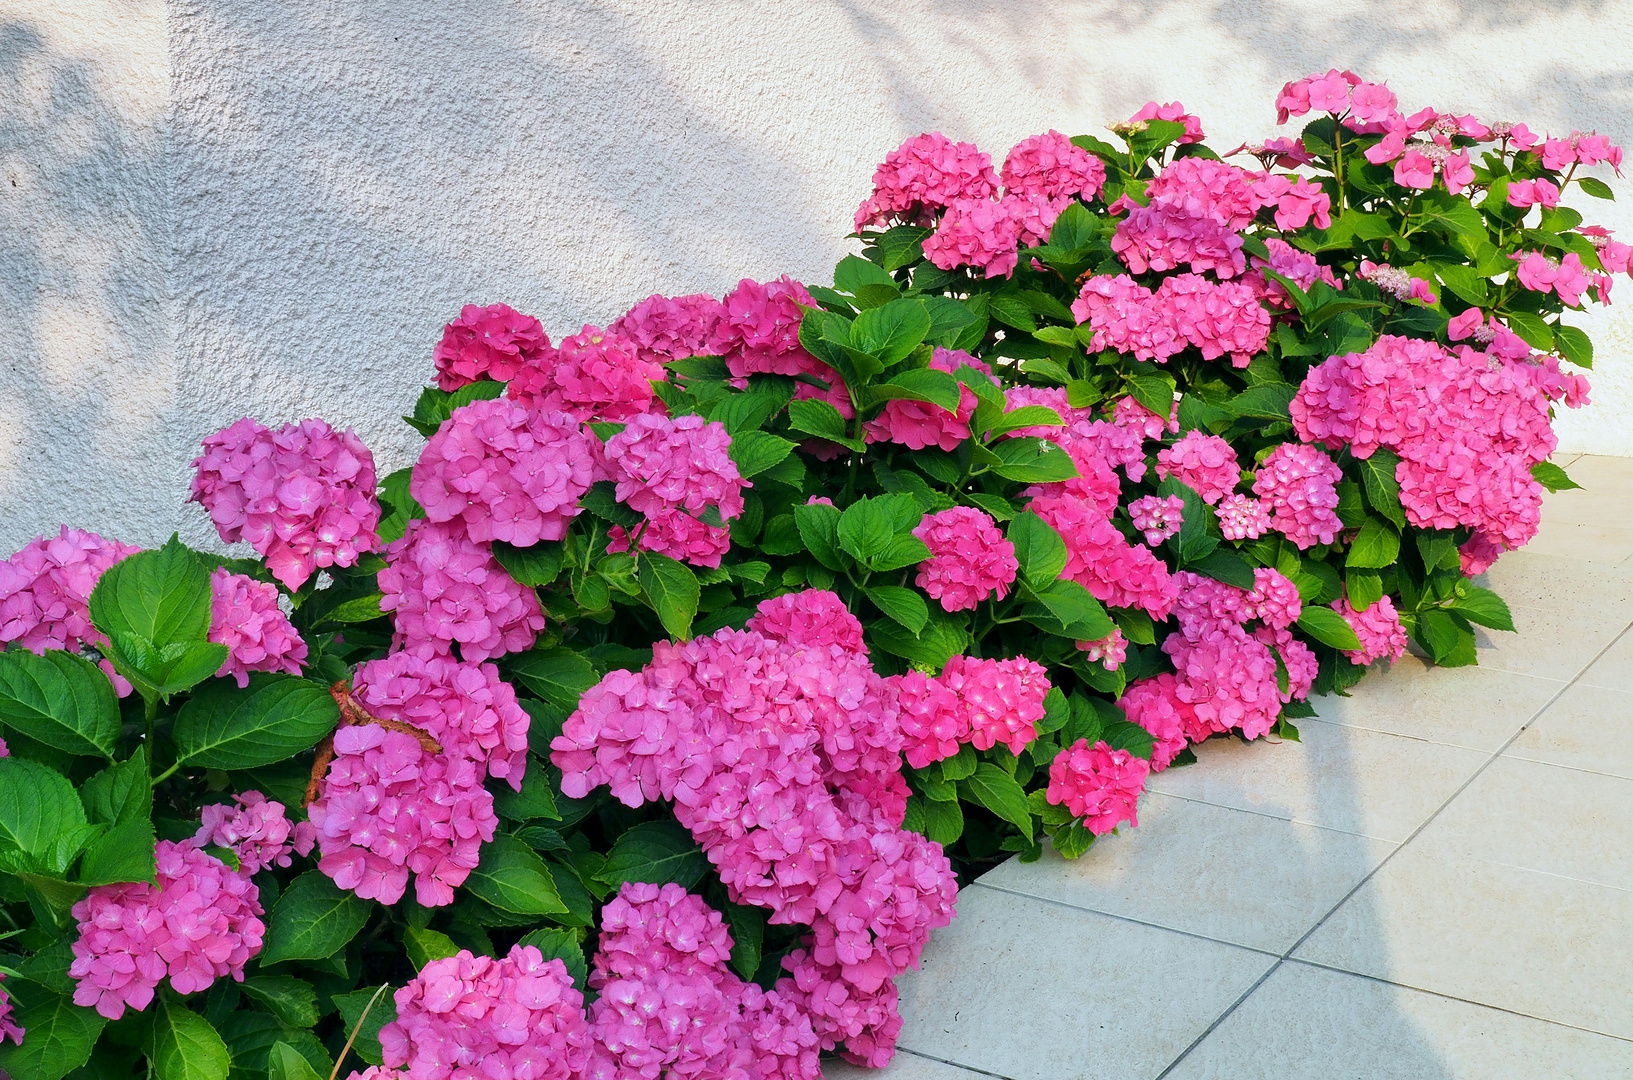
[780,749]
[970,559]
[918,424]
[245,617]
[1467,426]
[671,470]
[494,342]
[1100,785]
[302,496]
[256,830]
[199,921]
[1377,626]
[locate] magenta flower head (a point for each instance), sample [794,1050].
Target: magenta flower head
[441,587]
[1205,463]
[594,375]
[1157,517]
[1098,784]
[979,233]
[493,342]
[505,471]
[8,1029]
[256,830]
[814,618]
[969,561]
[1003,698]
[1378,627]
[1155,706]
[665,328]
[1175,112]
[925,174]
[45,590]
[660,463]
[1052,166]
[302,496]
[918,424]
[1299,485]
[245,617]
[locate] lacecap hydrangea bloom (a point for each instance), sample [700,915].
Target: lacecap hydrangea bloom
[45,590]
[1379,628]
[595,374]
[441,587]
[1299,486]
[245,617]
[970,559]
[302,496]
[494,342]
[1100,785]
[925,174]
[255,829]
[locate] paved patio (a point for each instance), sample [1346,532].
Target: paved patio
[1436,883]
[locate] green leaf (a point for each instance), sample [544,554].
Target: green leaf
[181,1044]
[818,418]
[124,853]
[1552,477]
[558,676]
[511,877]
[403,508]
[284,1062]
[1484,607]
[1365,588]
[943,822]
[1039,549]
[59,1037]
[951,320]
[290,999]
[272,719]
[854,272]
[250,1036]
[1024,417]
[536,800]
[902,551]
[1000,508]
[560,945]
[920,384]
[59,699]
[672,590]
[355,1010]
[933,646]
[119,793]
[1595,187]
[899,247]
[1155,392]
[1013,311]
[1376,546]
[37,805]
[865,528]
[1125,735]
[892,331]
[434,405]
[1328,627]
[658,852]
[1532,328]
[747,936]
[602,501]
[533,566]
[1454,214]
[1463,281]
[1382,489]
[1574,345]
[1067,609]
[818,525]
[1446,637]
[902,604]
[1227,566]
[999,792]
[756,451]
[312,920]
[1031,460]
[424,945]
[162,596]
[359,610]
[1266,401]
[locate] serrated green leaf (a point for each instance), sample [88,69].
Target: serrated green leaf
[1533,329]
[1574,345]
[1155,392]
[272,719]
[119,793]
[284,1062]
[892,331]
[899,247]
[59,1037]
[124,853]
[59,699]
[1484,607]
[821,419]
[424,945]
[558,676]
[363,1012]
[1377,545]
[313,919]
[1039,549]
[818,527]
[1597,188]
[1026,416]
[865,529]
[511,877]
[1266,401]
[996,790]
[181,1044]
[658,852]
[37,805]
[1328,627]
[291,1000]
[902,604]
[756,451]
[672,590]
[902,551]
[534,566]
[1382,489]
[1552,477]
[943,821]
[938,388]
[1031,460]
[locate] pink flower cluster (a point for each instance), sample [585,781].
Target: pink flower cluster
[595,374]
[1053,167]
[783,759]
[1301,269]
[1378,627]
[759,333]
[1174,112]
[256,830]
[505,472]
[918,424]
[1242,517]
[670,328]
[1579,149]
[441,587]
[1566,277]
[199,922]
[494,342]
[1101,560]
[1100,785]
[471,1017]
[670,1006]
[1299,486]
[302,496]
[1205,463]
[982,233]
[1000,701]
[1396,282]
[1196,208]
[45,590]
[814,619]
[1218,318]
[245,617]
[8,1029]
[1157,517]
[671,470]
[925,174]
[1110,651]
[969,561]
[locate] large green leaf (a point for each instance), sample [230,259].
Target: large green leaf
[672,590]
[363,1012]
[512,878]
[1383,490]
[272,719]
[124,853]
[1482,606]
[658,852]
[59,699]
[939,641]
[424,945]
[121,792]
[1031,460]
[1552,477]
[163,596]
[865,528]
[1328,627]
[1001,793]
[921,384]
[558,676]
[535,800]
[560,945]
[1377,545]
[1039,549]
[756,451]
[59,1037]
[284,1062]
[533,566]
[892,331]
[250,1037]
[819,418]
[181,1044]
[904,605]
[313,919]
[291,1000]
[37,806]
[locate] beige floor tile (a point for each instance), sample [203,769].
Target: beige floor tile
[1533,582]
[1589,727]
[1533,943]
[1603,475]
[1477,707]
[1597,543]
[1226,874]
[1309,1023]
[1542,817]
[1614,670]
[1036,991]
[1550,644]
[904,1066]
[1614,509]
[1338,777]
[1563,460]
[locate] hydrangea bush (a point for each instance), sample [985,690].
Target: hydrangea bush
[648,724]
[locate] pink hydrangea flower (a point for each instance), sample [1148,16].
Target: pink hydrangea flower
[467,708]
[1098,784]
[1052,166]
[1169,234]
[664,328]
[387,806]
[4,750]
[1298,267]
[1101,560]
[45,590]
[1298,658]
[969,561]
[1126,412]
[1273,600]
[440,588]
[980,233]
[660,463]
[1205,463]
[1110,651]
[507,472]
[1527,193]
[594,375]
[1378,627]
[245,617]
[492,342]
[933,719]
[302,496]
[8,1028]
[926,173]
[1226,677]
[677,534]
[918,424]
[1157,517]
[1219,318]
[469,1017]
[1175,112]
[814,618]
[256,830]
[1004,699]
[1395,281]
[1154,705]
[200,921]
[1566,277]
[1299,485]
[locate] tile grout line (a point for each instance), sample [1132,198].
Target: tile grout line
[955,1064]
[1122,918]
[1399,848]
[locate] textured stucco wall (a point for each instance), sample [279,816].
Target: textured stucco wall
[218,207]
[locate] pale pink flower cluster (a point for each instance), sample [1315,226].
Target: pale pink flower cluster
[925,174]
[783,760]
[471,1017]
[389,806]
[1110,651]
[45,590]
[670,1006]
[1097,784]
[918,424]
[982,233]
[1242,517]
[667,328]
[199,922]
[493,342]
[1158,517]
[1540,273]
[671,470]
[1053,167]
[245,617]
[8,1028]
[1579,149]
[1298,267]
[505,472]
[302,496]
[1396,282]
[595,374]
[255,830]
[1378,627]
[441,587]
[1175,112]
[1205,463]
[1100,559]
[1219,318]
[467,708]
[1299,486]
[969,561]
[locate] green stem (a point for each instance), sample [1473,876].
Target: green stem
[162,777]
[150,709]
[1338,160]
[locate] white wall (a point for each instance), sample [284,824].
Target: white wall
[218,207]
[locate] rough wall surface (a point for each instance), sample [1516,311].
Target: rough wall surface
[211,208]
